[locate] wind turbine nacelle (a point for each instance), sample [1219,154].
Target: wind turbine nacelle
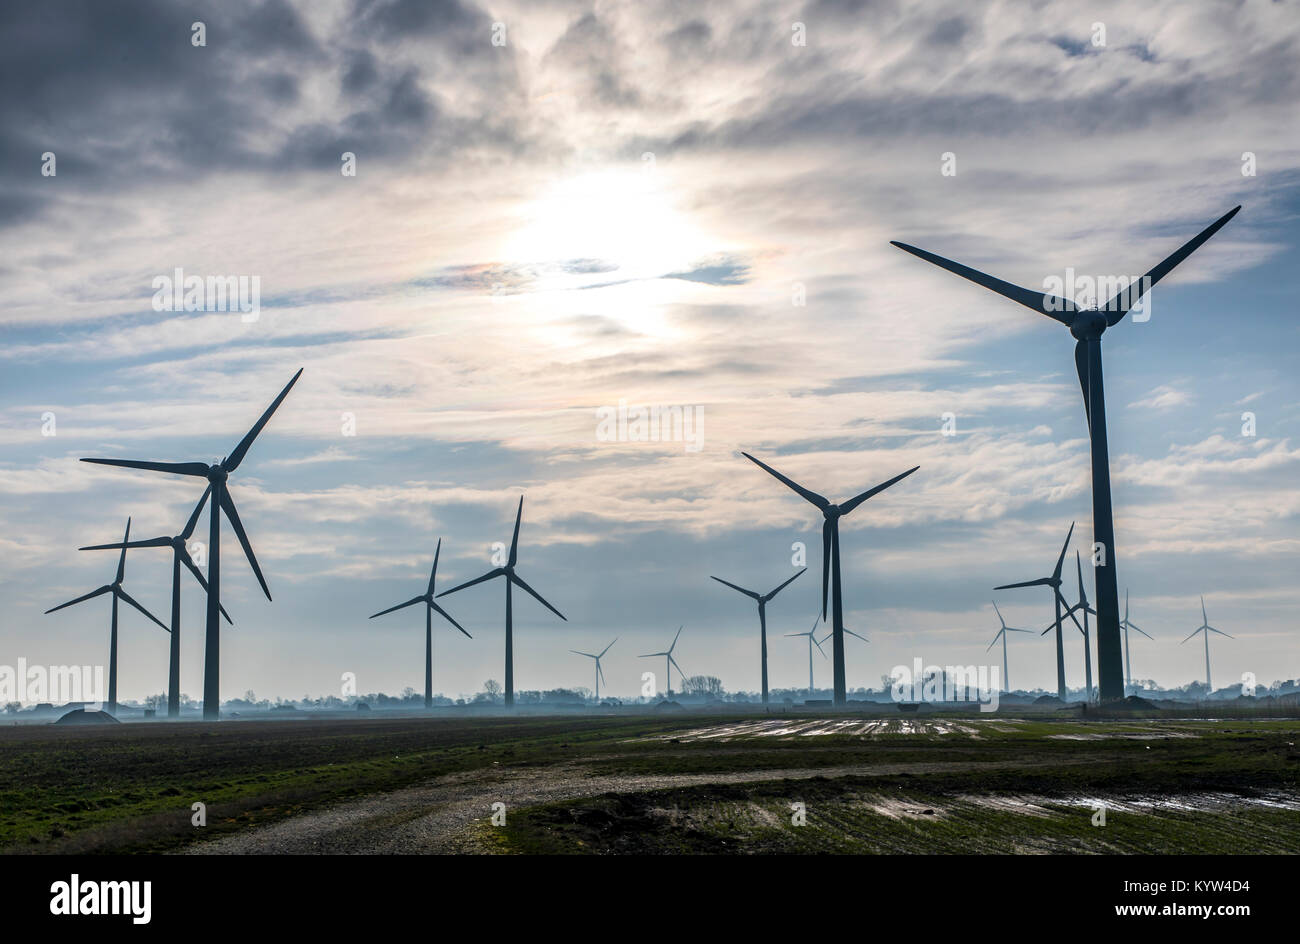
[1088,324]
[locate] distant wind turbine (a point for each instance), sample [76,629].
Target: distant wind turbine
[763,599]
[429,609]
[1006,680]
[1087,327]
[1126,624]
[1054,582]
[114,588]
[180,555]
[832,514]
[1206,628]
[512,579]
[812,641]
[217,473]
[669,662]
[600,675]
[1082,606]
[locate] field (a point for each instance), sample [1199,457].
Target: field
[622,783]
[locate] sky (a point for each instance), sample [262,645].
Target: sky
[558,207]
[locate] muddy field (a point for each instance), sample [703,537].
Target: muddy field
[716,784]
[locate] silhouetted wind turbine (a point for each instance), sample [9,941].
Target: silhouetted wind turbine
[512,578]
[762,599]
[1006,681]
[812,641]
[669,662]
[832,514]
[114,588]
[1206,628]
[1126,624]
[1054,582]
[1083,605]
[180,555]
[600,675]
[216,474]
[429,609]
[1087,326]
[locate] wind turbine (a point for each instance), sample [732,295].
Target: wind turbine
[812,641]
[1206,628]
[599,672]
[763,599]
[217,473]
[1126,624]
[669,662]
[429,609]
[114,588]
[1083,605]
[180,555]
[1054,582]
[832,514]
[1006,681]
[512,578]
[1087,325]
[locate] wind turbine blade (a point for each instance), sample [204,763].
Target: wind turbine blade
[194,515]
[535,595]
[1012,629]
[653,655]
[1040,582]
[852,633]
[129,599]
[675,638]
[1074,619]
[449,618]
[1082,354]
[495,572]
[1078,565]
[514,541]
[600,671]
[807,494]
[400,606]
[817,644]
[995,639]
[434,573]
[121,560]
[785,584]
[93,593]
[676,666]
[198,575]
[1060,309]
[152,542]
[1219,631]
[1119,306]
[1060,561]
[228,506]
[857,500]
[748,593]
[796,634]
[999,612]
[176,468]
[1131,626]
[1204,619]
[607,648]
[826,565]
[1193,633]
[587,654]
[232,461]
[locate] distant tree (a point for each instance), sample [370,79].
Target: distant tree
[492,687]
[408,693]
[13,707]
[702,685]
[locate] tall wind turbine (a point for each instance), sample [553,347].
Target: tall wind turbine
[832,514]
[669,662]
[216,474]
[429,609]
[512,578]
[763,599]
[1006,680]
[1126,624]
[600,674]
[1054,582]
[1087,326]
[180,555]
[1206,628]
[812,641]
[114,588]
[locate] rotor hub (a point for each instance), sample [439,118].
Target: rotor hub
[831,512]
[216,473]
[1088,325]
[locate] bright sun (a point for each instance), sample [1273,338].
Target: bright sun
[623,218]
